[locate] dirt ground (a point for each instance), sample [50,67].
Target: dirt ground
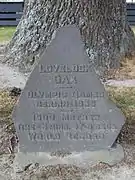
[125,170]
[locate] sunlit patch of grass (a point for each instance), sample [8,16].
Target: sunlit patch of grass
[6,33]
[124,98]
[133,29]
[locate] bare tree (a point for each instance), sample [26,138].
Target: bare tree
[102,23]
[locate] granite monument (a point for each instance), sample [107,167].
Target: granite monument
[64,106]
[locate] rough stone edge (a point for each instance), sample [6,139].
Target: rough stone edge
[83,159]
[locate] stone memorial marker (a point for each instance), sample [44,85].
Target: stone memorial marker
[64,106]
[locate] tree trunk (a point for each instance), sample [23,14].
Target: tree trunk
[102,23]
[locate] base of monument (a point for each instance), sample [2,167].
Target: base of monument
[88,158]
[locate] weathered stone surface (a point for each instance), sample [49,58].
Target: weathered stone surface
[64,105]
[83,159]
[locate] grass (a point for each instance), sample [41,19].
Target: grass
[6,33]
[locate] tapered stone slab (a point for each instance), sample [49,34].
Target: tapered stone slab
[64,106]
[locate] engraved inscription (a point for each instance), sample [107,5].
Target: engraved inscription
[73,103]
[64,94]
[44,136]
[26,127]
[44,126]
[44,117]
[83,117]
[78,94]
[91,126]
[59,79]
[64,68]
[85,136]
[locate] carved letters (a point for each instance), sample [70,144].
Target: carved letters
[64,68]
[65,79]
[64,94]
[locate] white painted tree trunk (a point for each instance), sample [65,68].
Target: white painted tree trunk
[102,23]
